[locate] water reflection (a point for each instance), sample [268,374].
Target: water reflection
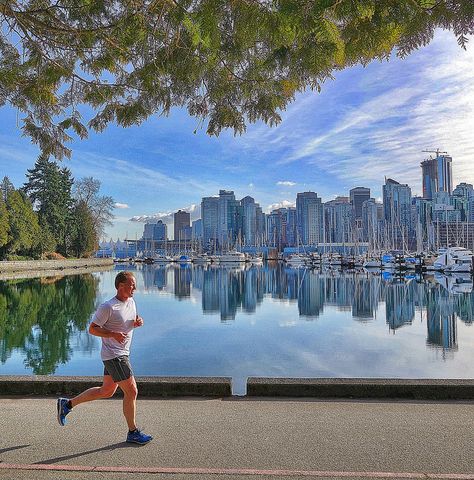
[38,317]
[45,320]
[227,290]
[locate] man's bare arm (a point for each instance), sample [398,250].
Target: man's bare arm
[94,329]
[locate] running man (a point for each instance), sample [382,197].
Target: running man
[114,322]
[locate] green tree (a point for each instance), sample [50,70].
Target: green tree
[49,188]
[6,187]
[4,226]
[229,62]
[45,242]
[87,190]
[84,239]
[23,221]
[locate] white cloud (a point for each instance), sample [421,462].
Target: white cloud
[286,183]
[121,205]
[167,217]
[282,204]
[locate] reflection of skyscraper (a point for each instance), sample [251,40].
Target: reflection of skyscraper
[182,281]
[400,306]
[250,290]
[465,307]
[364,302]
[311,295]
[229,293]
[160,277]
[441,320]
[210,290]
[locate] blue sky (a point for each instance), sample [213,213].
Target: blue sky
[368,123]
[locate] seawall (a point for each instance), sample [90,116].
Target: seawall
[36,268]
[352,388]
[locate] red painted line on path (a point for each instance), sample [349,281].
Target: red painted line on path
[237,471]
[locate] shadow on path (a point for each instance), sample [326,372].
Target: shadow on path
[9,449]
[114,446]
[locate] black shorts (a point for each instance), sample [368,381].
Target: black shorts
[118,368]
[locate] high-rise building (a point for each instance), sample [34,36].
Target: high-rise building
[370,222]
[227,209]
[437,175]
[196,229]
[358,196]
[397,213]
[273,220]
[464,200]
[261,226]
[338,220]
[155,231]
[249,220]
[209,215]
[291,227]
[309,214]
[182,220]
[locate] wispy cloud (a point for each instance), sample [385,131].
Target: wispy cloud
[121,205]
[286,183]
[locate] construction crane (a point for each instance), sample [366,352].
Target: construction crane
[437,151]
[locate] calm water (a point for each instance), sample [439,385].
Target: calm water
[240,322]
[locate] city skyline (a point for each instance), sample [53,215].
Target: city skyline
[368,123]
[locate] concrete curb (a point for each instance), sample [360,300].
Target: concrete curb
[423,389]
[147,386]
[35,265]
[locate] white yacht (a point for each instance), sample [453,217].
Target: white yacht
[202,259]
[454,260]
[235,257]
[256,260]
[460,283]
[372,263]
[162,259]
[296,260]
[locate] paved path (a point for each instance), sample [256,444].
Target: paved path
[238,439]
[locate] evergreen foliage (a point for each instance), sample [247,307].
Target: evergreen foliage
[228,62]
[50,219]
[4,224]
[84,237]
[49,188]
[23,223]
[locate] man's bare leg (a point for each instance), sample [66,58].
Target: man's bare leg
[105,391]
[130,392]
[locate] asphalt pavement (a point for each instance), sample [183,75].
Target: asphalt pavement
[239,438]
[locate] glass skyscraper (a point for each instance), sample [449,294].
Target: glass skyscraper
[437,176]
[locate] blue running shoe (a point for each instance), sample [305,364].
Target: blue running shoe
[138,437]
[63,410]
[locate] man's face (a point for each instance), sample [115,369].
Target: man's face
[128,288]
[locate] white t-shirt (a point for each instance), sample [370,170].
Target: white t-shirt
[116,316]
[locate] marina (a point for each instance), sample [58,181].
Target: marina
[446,260]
